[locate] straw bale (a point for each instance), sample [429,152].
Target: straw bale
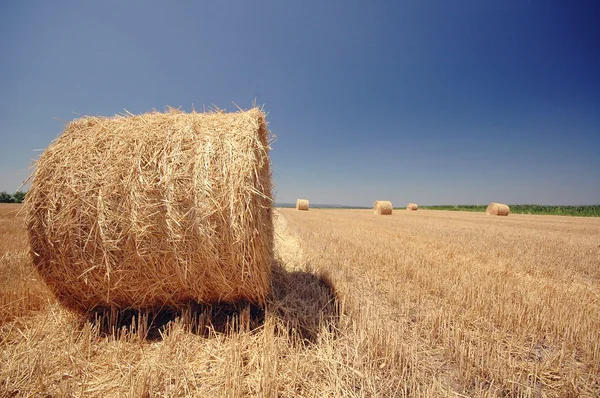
[382,207]
[302,204]
[498,209]
[158,209]
[412,206]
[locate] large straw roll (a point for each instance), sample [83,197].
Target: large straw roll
[157,209]
[302,204]
[382,207]
[498,209]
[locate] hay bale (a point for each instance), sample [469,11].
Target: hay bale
[412,206]
[498,209]
[302,204]
[159,209]
[382,207]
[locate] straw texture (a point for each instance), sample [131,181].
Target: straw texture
[158,209]
[302,204]
[498,209]
[412,206]
[382,207]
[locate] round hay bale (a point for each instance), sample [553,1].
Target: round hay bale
[382,207]
[158,209]
[412,206]
[302,204]
[498,209]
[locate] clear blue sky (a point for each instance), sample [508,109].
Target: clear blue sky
[434,102]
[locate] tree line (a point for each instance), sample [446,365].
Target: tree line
[16,197]
[585,210]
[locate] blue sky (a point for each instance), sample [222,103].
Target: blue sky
[433,102]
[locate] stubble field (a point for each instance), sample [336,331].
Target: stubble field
[425,303]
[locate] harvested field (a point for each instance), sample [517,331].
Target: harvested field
[425,303]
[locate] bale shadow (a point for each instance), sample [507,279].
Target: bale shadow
[304,303]
[301,303]
[152,323]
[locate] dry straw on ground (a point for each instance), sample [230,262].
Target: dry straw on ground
[426,307]
[302,204]
[498,209]
[382,207]
[412,206]
[154,210]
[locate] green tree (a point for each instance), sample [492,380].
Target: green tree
[19,196]
[6,197]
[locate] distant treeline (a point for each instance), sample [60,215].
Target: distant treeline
[16,197]
[584,211]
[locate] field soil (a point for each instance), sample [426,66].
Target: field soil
[425,303]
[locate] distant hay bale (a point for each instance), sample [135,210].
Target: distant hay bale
[302,204]
[382,207]
[498,209]
[158,209]
[412,206]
